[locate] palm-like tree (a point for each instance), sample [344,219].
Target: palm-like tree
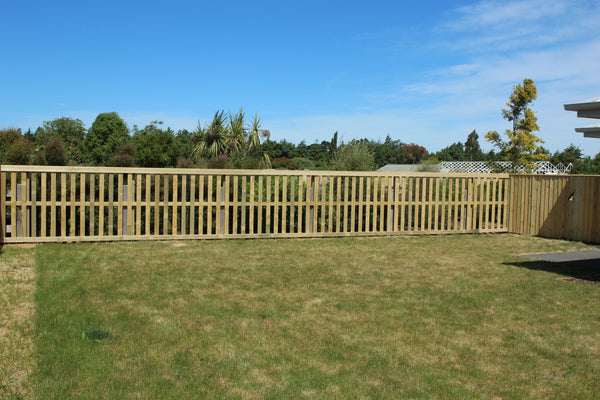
[229,135]
[212,141]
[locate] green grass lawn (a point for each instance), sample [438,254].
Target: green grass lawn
[407,317]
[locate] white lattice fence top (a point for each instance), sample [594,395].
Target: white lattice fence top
[487,167]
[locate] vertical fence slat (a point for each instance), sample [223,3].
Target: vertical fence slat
[244,205]
[34,213]
[259,203]
[175,204]
[209,205]
[138,204]
[53,184]
[276,206]
[101,205]
[268,205]
[72,200]
[192,209]
[292,195]
[120,204]
[82,193]
[156,208]
[227,205]
[26,205]
[235,204]
[92,210]
[201,201]
[285,227]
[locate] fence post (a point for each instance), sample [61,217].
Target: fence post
[465,208]
[391,220]
[124,222]
[311,209]
[19,212]
[222,212]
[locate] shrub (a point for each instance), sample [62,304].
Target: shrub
[19,152]
[40,158]
[124,156]
[283,163]
[303,163]
[219,162]
[7,138]
[185,163]
[55,152]
[354,156]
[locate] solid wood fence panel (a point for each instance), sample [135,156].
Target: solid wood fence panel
[563,207]
[44,204]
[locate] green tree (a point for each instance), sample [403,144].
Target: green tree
[472,151]
[454,152]
[569,155]
[354,156]
[414,153]
[106,133]
[279,149]
[155,147]
[333,145]
[587,165]
[522,145]
[19,152]
[388,152]
[184,141]
[70,131]
[230,136]
[212,140]
[55,152]
[124,156]
[7,137]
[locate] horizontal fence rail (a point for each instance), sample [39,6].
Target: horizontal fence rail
[47,204]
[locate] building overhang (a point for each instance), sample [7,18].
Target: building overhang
[590,131]
[587,109]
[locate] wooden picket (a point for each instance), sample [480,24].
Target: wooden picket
[92,204]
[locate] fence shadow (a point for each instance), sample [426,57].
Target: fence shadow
[585,271]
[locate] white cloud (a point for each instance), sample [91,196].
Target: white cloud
[492,26]
[501,14]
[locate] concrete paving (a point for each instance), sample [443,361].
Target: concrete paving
[588,258]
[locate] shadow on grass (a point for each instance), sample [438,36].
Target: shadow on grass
[584,271]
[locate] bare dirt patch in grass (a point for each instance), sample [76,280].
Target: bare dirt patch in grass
[590,279]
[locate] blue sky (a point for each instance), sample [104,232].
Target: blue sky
[426,72]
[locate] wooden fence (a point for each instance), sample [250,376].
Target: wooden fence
[561,207]
[50,204]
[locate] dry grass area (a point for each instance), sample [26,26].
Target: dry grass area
[17,308]
[405,317]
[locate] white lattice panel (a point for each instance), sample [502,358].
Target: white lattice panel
[485,167]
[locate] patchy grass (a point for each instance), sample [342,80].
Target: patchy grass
[17,285]
[408,317]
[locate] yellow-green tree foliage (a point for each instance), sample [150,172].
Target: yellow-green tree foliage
[521,145]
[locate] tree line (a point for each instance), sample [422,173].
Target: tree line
[229,140]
